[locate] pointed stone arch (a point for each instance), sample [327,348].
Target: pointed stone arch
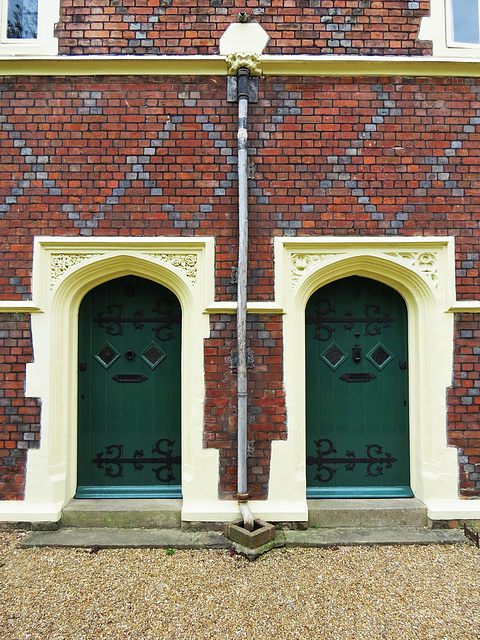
[65,270]
[422,271]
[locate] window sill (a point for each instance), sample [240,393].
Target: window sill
[28,49]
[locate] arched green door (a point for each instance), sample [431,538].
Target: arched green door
[357,391]
[129,391]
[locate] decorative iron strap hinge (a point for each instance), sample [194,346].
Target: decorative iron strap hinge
[113,320]
[375,459]
[373,320]
[114,460]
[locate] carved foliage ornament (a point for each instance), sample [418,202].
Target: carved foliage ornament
[187,263]
[423,262]
[61,262]
[304,262]
[236,61]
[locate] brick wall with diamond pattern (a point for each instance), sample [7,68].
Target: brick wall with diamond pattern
[118,156]
[19,416]
[464,403]
[178,27]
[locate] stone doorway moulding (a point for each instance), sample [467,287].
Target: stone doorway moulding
[422,271]
[64,270]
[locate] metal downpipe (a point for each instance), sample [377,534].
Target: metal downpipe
[242,409]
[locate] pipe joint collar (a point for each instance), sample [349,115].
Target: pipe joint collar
[242,83]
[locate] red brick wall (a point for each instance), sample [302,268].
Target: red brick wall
[369,157]
[343,156]
[464,403]
[119,156]
[266,398]
[168,27]
[19,416]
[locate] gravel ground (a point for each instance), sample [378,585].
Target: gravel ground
[336,593]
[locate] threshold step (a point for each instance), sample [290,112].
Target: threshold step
[113,538]
[123,513]
[367,512]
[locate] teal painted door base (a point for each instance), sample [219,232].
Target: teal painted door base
[359,492]
[129,492]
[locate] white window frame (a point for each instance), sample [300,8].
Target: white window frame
[45,44]
[437,27]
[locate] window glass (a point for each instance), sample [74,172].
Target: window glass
[22,21]
[465,21]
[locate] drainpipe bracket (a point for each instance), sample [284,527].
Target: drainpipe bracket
[242,497]
[232,89]
[234,359]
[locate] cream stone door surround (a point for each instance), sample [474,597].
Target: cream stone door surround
[422,271]
[64,270]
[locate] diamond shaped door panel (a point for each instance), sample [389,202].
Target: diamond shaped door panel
[106,355]
[153,355]
[333,356]
[380,356]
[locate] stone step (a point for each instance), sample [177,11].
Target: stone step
[381,512]
[123,514]
[166,513]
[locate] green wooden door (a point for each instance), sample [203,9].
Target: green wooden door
[357,391]
[129,391]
